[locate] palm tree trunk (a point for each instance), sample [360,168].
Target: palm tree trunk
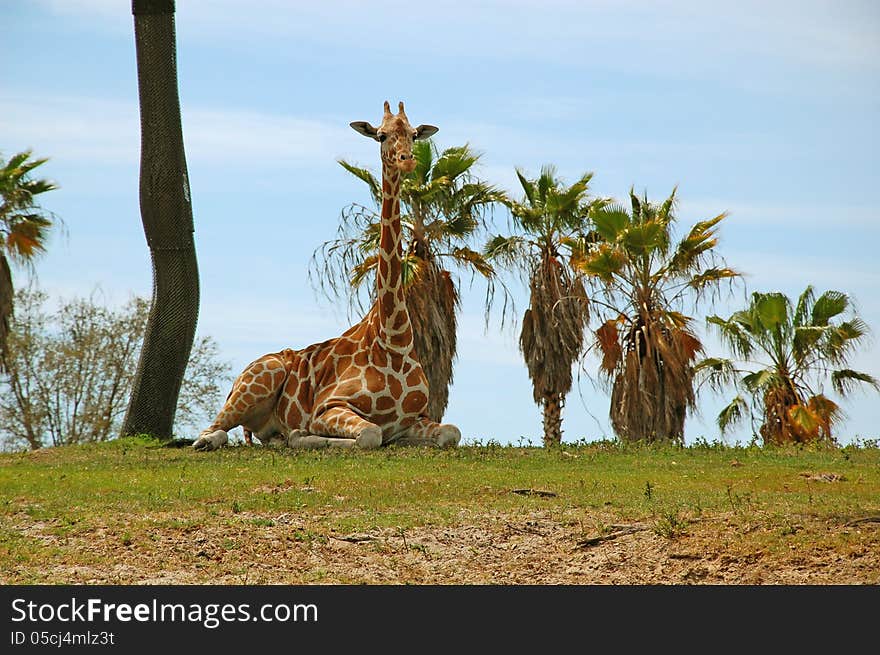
[166,212]
[552,408]
[6,293]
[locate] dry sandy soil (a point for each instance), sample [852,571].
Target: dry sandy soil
[544,547]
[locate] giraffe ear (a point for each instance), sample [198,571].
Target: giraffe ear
[363,127]
[425,132]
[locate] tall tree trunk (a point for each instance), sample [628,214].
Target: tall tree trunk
[6,293]
[166,212]
[552,405]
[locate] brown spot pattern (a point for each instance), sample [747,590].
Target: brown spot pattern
[415,402]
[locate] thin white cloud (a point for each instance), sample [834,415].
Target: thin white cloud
[223,135]
[671,35]
[108,131]
[770,269]
[84,129]
[762,214]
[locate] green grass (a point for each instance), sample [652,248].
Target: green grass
[137,490]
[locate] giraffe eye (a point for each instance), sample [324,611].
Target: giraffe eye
[382,138]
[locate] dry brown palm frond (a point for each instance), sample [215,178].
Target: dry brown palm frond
[608,340]
[432,301]
[553,328]
[653,387]
[778,427]
[789,418]
[552,337]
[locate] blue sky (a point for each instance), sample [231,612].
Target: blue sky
[766,110]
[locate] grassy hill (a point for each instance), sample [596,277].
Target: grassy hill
[129,511]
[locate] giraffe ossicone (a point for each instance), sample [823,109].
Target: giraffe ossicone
[365,388]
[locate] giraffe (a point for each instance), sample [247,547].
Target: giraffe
[364,388]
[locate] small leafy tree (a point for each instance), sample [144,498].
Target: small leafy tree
[783,353]
[70,372]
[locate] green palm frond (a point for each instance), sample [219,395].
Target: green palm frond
[610,222]
[702,238]
[733,334]
[411,267]
[412,190]
[604,262]
[423,153]
[473,198]
[528,187]
[804,307]
[829,305]
[508,251]
[14,166]
[366,176]
[636,206]
[804,340]
[368,240]
[711,277]
[530,219]
[643,238]
[760,381]
[718,372]
[665,214]
[841,340]
[733,414]
[846,380]
[566,200]
[454,162]
[363,269]
[478,262]
[770,310]
[546,182]
[460,225]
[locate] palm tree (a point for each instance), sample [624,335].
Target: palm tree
[166,213]
[547,220]
[647,345]
[443,206]
[784,351]
[24,228]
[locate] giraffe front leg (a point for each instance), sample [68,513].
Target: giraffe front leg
[345,424]
[425,432]
[249,404]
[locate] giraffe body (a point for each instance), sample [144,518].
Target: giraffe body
[364,388]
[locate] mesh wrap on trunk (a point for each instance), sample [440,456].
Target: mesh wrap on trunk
[166,212]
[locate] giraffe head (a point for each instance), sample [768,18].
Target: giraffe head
[396,136]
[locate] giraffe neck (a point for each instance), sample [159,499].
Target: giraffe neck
[392,318]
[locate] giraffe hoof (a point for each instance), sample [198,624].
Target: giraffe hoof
[294,437]
[211,440]
[369,438]
[448,436]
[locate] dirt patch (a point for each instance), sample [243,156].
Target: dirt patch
[542,547]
